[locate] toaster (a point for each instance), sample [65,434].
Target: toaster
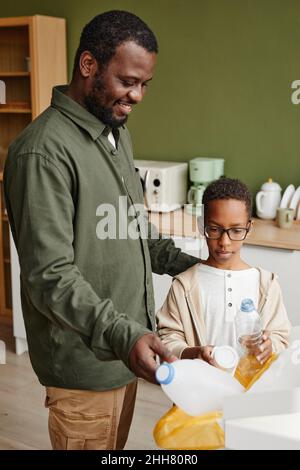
[164,184]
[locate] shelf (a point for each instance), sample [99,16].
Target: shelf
[15,110]
[29,75]
[14,74]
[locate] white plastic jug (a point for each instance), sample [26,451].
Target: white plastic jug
[195,386]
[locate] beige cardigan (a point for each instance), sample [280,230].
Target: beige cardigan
[180,320]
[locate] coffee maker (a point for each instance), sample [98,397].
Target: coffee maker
[202,171]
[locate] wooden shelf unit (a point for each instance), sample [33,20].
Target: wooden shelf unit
[32,61]
[14,74]
[15,110]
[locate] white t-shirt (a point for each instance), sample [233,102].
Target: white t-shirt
[221,294]
[111,139]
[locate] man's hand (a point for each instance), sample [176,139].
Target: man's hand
[142,357]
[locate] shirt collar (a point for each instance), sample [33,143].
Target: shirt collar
[77,113]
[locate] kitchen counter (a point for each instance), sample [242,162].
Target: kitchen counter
[265,233]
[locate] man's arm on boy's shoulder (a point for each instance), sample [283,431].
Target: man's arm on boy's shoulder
[166,258]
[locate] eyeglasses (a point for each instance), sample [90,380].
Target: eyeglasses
[234,233]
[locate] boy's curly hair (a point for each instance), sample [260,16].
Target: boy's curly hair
[228,188]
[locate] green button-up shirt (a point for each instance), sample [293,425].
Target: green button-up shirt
[86,286]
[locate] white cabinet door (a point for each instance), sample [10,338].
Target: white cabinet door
[286,264]
[18,322]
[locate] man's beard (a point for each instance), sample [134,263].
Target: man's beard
[101,112]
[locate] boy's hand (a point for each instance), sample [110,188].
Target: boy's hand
[206,355]
[265,348]
[262,351]
[199,352]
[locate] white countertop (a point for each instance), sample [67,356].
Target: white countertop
[280,432]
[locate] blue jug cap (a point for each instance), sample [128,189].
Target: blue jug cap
[247,305]
[165,373]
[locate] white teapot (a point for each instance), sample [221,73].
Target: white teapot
[268,199]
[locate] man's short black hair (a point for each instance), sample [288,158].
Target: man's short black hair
[227,188]
[104,33]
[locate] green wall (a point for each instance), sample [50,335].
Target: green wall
[222,85]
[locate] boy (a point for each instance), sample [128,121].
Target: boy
[201,305]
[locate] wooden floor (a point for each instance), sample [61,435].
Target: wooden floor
[23,418]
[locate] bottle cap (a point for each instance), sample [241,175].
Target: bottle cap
[247,305]
[226,357]
[165,373]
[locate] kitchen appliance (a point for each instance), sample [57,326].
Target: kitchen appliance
[268,199]
[202,172]
[164,184]
[195,194]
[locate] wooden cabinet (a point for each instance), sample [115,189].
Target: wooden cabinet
[32,61]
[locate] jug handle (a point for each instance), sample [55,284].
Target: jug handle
[259,197]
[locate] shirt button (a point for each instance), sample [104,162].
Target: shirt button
[114,152]
[229,289]
[228,275]
[230,304]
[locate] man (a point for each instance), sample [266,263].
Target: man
[87,298]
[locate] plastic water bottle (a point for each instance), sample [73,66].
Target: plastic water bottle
[249,337]
[248,326]
[195,386]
